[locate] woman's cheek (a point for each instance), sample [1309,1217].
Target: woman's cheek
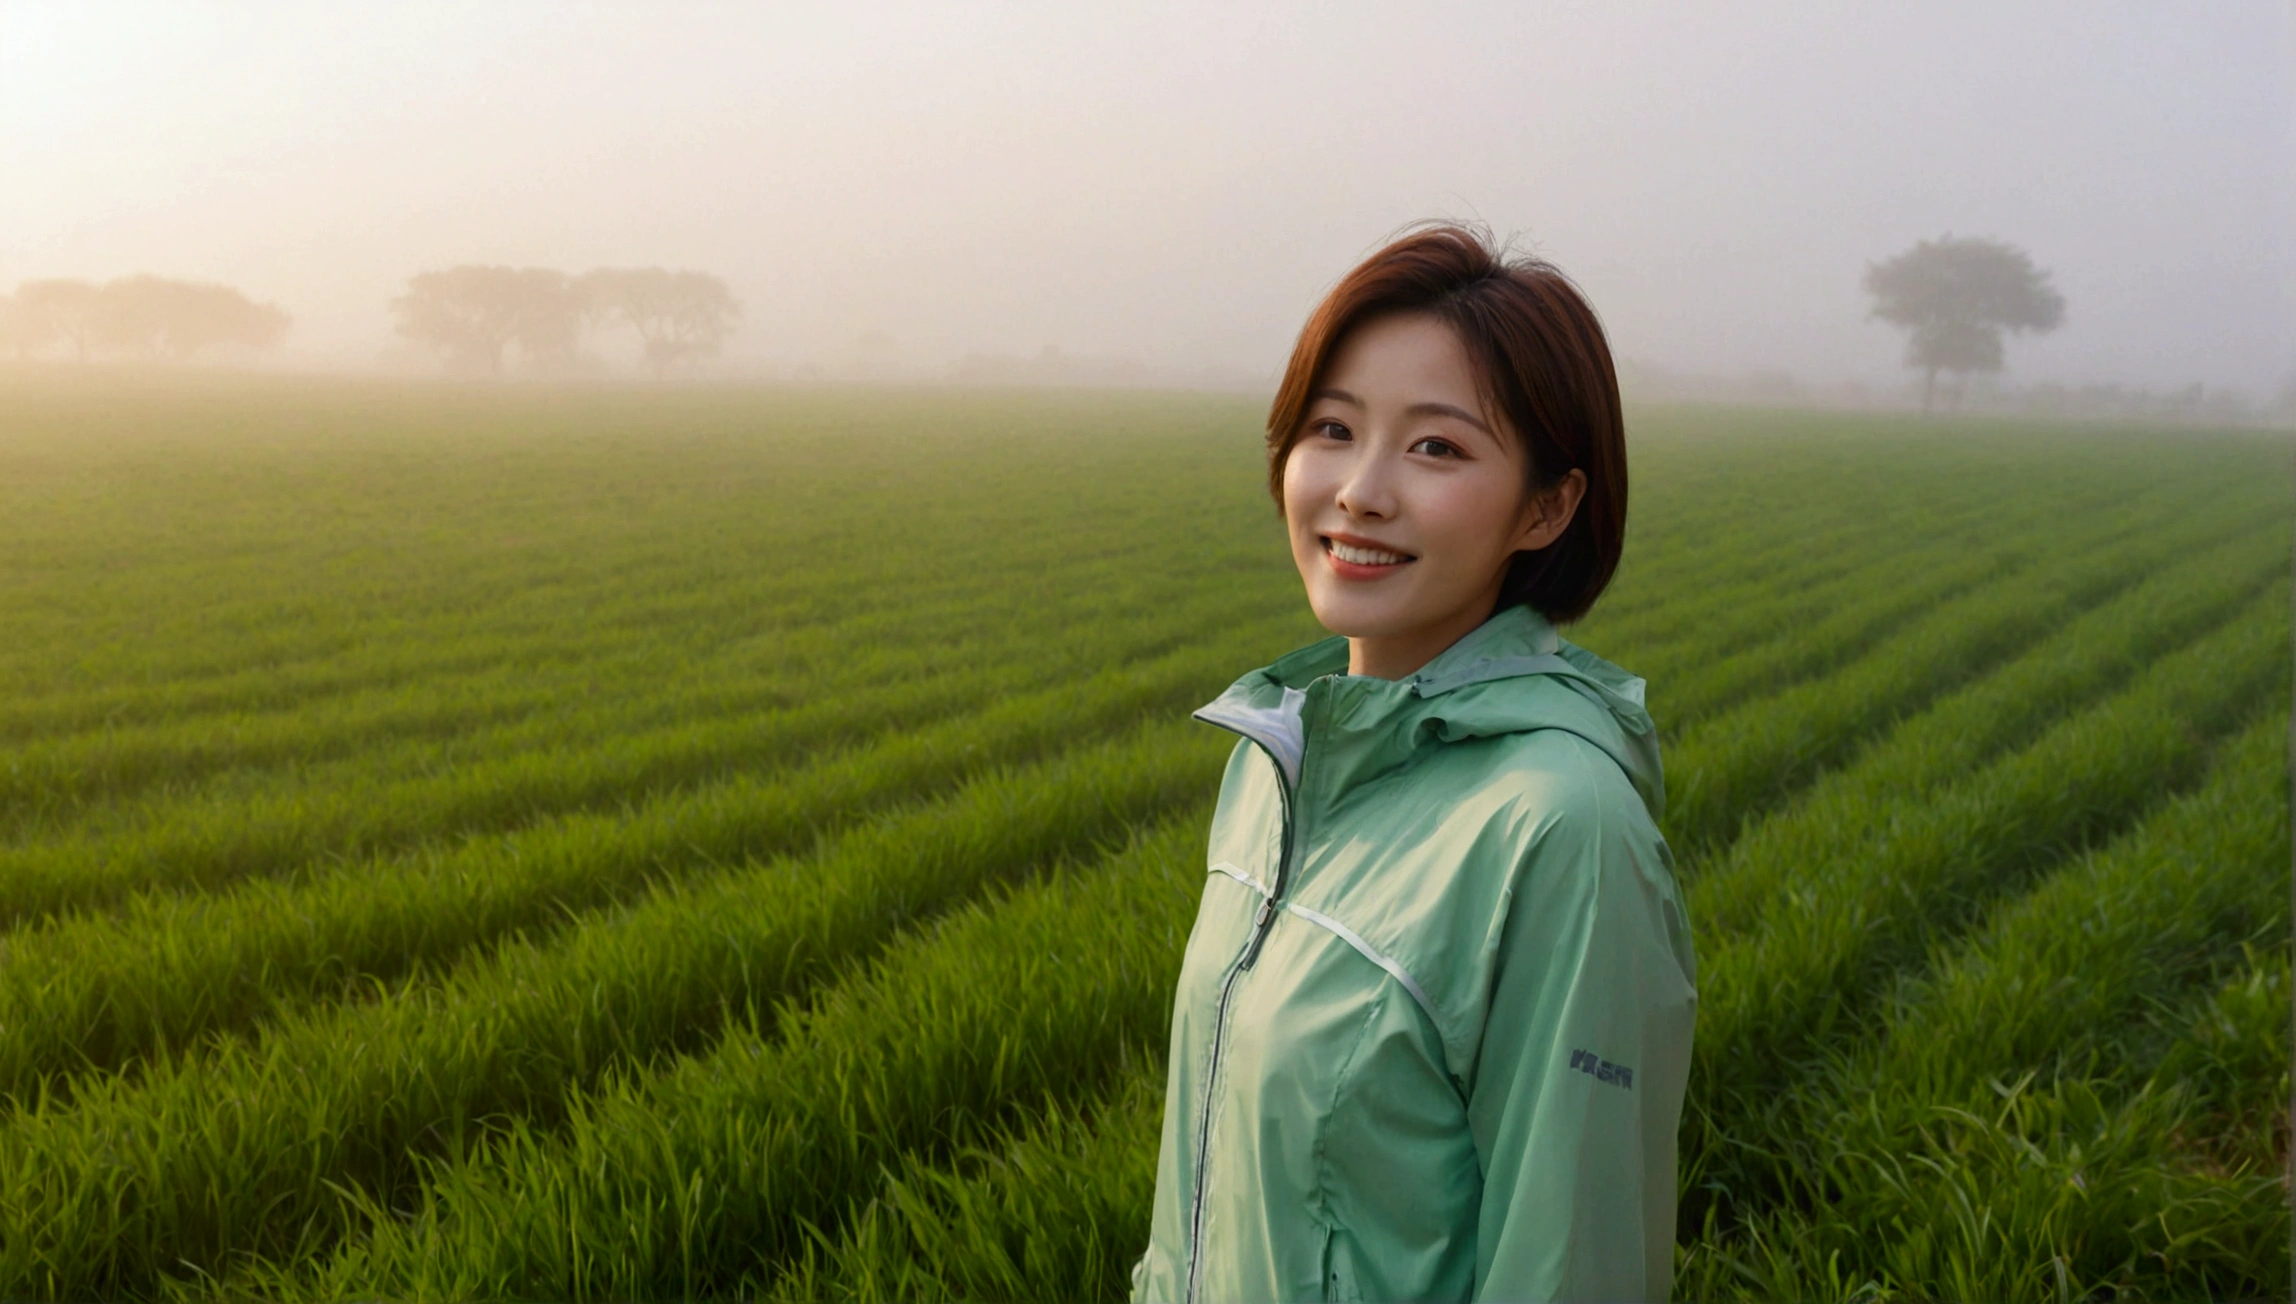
[1462,529]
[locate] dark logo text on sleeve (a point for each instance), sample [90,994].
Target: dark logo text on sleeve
[1585,1061]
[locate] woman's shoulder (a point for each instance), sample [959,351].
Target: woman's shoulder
[1562,777]
[1568,818]
[1584,845]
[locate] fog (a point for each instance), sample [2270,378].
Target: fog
[890,187]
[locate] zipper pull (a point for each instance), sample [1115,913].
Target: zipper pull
[1260,924]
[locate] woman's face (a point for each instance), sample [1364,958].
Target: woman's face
[1405,500]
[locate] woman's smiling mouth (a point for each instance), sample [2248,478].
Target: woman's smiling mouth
[1362,559]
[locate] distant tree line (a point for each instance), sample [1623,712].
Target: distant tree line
[477,318]
[143,317]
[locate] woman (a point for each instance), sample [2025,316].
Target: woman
[1433,1022]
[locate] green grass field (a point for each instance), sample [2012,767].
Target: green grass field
[630,843]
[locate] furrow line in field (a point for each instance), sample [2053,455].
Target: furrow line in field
[1737,764]
[2059,1187]
[2045,987]
[1763,598]
[730,625]
[682,1182]
[2089,656]
[414,732]
[1791,563]
[1826,634]
[621,591]
[1056,1209]
[2057,979]
[1803,968]
[302,831]
[2233,1053]
[487,673]
[937,1231]
[716,610]
[703,590]
[1804,512]
[88,994]
[244,1150]
[380,653]
[955,1231]
[1767,622]
[1804,645]
[1756,647]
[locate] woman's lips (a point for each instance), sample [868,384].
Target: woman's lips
[1356,559]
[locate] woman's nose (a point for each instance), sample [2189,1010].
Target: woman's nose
[1368,488]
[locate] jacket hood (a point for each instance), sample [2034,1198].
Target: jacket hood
[1512,674]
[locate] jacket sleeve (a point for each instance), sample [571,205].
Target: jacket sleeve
[1577,1087]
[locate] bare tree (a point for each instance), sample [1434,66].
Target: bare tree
[58,311]
[472,314]
[679,316]
[1957,296]
[157,317]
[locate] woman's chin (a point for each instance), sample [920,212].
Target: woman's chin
[1351,620]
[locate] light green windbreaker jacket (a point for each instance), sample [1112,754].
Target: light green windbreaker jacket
[1433,1022]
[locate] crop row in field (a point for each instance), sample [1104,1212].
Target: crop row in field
[986,621]
[2093,654]
[213,840]
[1797,976]
[408,543]
[207,1155]
[175,968]
[1972,1215]
[660,846]
[99,992]
[415,539]
[481,722]
[1736,765]
[485,1234]
[2050,980]
[2016,1115]
[430,723]
[1001,1012]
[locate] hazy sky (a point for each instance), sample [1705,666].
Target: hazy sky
[1178,182]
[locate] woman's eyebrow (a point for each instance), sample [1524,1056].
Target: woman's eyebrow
[1429,409]
[1447,410]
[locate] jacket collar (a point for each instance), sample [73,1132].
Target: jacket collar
[1491,650]
[1511,674]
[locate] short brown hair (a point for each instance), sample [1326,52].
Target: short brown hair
[1541,360]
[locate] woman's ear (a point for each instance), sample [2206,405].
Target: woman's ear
[1547,513]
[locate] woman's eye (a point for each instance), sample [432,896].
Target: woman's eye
[1436,447]
[1331,430]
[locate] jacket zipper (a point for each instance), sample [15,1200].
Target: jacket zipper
[1250,953]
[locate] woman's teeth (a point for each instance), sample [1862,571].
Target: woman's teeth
[1363,556]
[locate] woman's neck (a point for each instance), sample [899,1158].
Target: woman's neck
[1396,656]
